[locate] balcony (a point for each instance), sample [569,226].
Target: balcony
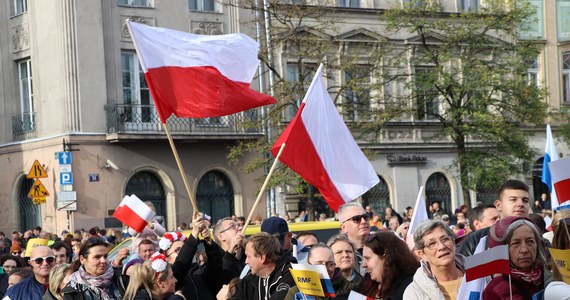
[24,126]
[130,121]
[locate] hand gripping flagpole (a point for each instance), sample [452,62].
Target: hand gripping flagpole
[180,167]
[263,187]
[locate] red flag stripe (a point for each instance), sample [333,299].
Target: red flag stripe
[200,92]
[493,267]
[562,188]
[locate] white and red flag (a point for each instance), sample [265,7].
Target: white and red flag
[488,262]
[320,148]
[134,213]
[560,174]
[197,76]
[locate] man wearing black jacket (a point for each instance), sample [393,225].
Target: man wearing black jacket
[270,277]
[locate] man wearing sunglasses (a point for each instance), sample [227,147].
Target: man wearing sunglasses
[42,260]
[354,222]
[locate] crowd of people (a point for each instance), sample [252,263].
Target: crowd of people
[372,254]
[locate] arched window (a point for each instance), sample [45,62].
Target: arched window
[215,195]
[148,187]
[532,72]
[566,77]
[539,187]
[377,197]
[438,190]
[30,214]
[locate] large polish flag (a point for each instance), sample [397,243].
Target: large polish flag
[488,262]
[134,213]
[560,171]
[197,76]
[418,216]
[320,148]
[550,155]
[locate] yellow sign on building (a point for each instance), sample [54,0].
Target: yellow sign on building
[37,171]
[38,190]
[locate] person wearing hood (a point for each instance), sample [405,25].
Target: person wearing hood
[527,255]
[441,271]
[269,277]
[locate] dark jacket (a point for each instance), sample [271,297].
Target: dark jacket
[252,287]
[472,240]
[191,277]
[222,267]
[81,292]
[28,288]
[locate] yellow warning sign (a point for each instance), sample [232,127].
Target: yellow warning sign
[40,200]
[37,171]
[38,190]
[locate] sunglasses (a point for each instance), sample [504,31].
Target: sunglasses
[16,252]
[40,260]
[357,219]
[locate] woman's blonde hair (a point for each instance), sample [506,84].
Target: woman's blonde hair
[143,276]
[56,276]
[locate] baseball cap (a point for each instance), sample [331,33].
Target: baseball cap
[275,226]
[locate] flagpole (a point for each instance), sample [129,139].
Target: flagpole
[263,187]
[180,167]
[510,287]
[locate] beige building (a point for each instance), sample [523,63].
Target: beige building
[71,75]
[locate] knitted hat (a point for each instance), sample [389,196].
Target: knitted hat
[497,231]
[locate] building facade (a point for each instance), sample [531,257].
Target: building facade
[71,75]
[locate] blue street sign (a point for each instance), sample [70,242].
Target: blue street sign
[66,178]
[64,158]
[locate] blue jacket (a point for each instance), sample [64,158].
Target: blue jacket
[28,288]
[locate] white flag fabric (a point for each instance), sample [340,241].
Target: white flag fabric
[473,290]
[419,215]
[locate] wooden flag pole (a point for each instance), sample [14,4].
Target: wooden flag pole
[263,187]
[180,167]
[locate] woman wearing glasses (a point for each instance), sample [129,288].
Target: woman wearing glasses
[441,270]
[389,265]
[96,278]
[527,254]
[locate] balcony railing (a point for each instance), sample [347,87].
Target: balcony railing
[24,126]
[129,118]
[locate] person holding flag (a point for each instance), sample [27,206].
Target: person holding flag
[527,255]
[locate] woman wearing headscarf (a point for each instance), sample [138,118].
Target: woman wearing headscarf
[527,254]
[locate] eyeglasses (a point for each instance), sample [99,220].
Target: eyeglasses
[357,219]
[40,260]
[232,226]
[431,245]
[16,252]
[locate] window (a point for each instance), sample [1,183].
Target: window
[26,88]
[533,27]
[135,90]
[566,77]
[532,73]
[299,90]
[143,3]
[357,92]
[427,104]
[563,24]
[20,7]
[469,5]
[348,3]
[203,5]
